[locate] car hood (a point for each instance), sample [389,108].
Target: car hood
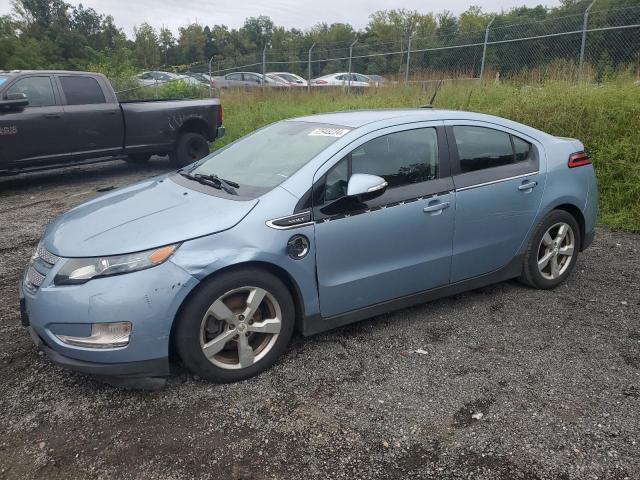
[145,215]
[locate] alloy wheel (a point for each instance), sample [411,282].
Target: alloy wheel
[240,327]
[556,250]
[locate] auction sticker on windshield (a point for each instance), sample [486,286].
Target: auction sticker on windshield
[329,132]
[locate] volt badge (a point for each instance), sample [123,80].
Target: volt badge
[298,247]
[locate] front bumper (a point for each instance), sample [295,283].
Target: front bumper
[149,299]
[157,367]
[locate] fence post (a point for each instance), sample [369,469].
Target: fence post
[484,49]
[406,72]
[210,77]
[309,69]
[264,63]
[584,39]
[350,55]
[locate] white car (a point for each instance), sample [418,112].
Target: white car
[291,79]
[341,79]
[149,79]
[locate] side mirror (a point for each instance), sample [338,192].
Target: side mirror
[15,100]
[365,186]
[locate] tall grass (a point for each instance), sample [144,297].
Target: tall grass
[606,118]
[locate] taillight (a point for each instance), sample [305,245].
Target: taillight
[578,159]
[220,115]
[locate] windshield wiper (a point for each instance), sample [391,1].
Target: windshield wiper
[212,181]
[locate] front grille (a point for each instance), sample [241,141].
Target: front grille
[33,278]
[46,255]
[41,263]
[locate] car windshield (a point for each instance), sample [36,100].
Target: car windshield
[267,157]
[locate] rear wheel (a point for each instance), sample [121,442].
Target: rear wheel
[235,326]
[190,147]
[552,251]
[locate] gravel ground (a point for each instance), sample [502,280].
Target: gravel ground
[507,382]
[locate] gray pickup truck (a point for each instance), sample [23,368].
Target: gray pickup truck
[54,119]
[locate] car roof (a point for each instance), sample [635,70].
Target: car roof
[359,118]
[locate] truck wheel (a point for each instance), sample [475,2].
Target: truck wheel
[138,158]
[190,148]
[235,326]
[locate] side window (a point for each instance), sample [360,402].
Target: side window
[522,149]
[401,158]
[39,91]
[234,76]
[82,90]
[252,78]
[480,148]
[337,179]
[341,77]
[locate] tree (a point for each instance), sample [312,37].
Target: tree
[147,48]
[191,43]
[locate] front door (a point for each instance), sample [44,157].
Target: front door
[37,133]
[499,185]
[396,244]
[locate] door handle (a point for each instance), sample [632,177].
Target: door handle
[436,207]
[51,115]
[527,185]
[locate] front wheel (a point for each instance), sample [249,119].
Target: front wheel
[552,251]
[189,148]
[235,326]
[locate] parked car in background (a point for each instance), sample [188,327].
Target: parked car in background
[309,223]
[201,78]
[55,119]
[291,78]
[377,80]
[280,80]
[148,79]
[341,80]
[245,80]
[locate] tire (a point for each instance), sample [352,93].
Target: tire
[543,251]
[138,158]
[200,326]
[190,147]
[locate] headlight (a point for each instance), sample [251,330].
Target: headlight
[80,270]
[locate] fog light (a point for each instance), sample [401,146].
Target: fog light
[103,335]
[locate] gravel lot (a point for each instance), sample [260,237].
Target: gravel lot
[507,383]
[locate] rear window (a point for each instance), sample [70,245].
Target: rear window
[82,90]
[480,148]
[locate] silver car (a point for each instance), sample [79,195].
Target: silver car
[245,80]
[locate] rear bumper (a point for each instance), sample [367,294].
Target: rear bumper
[220,131]
[157,367]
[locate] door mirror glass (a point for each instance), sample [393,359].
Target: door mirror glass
[365,186]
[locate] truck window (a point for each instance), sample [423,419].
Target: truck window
[82,90]
[39,91]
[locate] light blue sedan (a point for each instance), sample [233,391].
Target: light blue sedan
[309,224]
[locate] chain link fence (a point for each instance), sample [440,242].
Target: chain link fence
[588,46]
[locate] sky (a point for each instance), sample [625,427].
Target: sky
[301,14]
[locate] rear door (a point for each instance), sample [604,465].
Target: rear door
[95,121]
[38,133]
[396,244]
[499,185]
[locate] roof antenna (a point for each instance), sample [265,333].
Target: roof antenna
[433,97]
